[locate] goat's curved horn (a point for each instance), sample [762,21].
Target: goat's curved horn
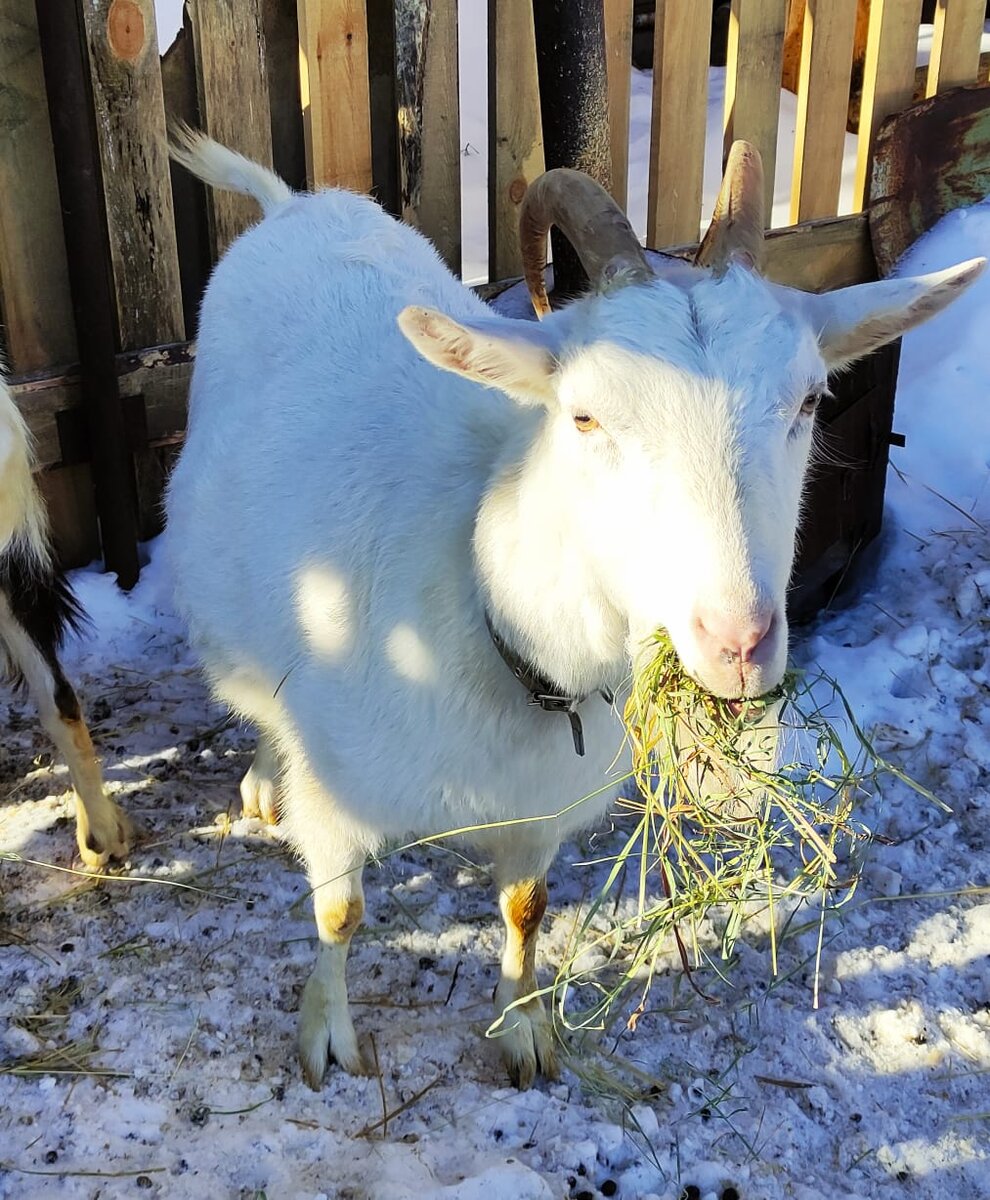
[736,231]
[591,221]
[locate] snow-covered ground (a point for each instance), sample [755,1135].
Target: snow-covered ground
[185,997]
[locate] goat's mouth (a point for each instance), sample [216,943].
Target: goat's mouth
[749,699]
[742,694]
[751,712]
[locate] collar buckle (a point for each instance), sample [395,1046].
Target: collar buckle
[538,688]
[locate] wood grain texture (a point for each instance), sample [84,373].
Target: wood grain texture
[515,138]
[192,228]
[677,132]
[955,58]
[618,54]
[153,385]
[130,118]
[817,256]
[68,496]
[336,102]
[823,103]
[888,77]
[36,303]
[233,99]
[752,80]
[429,124]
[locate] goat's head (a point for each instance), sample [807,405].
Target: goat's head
[680,408]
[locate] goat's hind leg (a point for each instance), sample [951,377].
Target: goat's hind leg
[259,789]
[103,830]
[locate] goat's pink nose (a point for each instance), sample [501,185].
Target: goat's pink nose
[731,637]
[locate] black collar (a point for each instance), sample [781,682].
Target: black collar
[543,692]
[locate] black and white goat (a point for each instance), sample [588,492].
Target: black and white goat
[37,608]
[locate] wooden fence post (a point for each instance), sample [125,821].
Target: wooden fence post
[515,139]
[677,132]
[333,76]
[37,308]
[233,99]
[752,81]
[618,52]
[429,125]
[77,158]
[888,77]
[956,44]
[823,104]
[125,70]
[36,302]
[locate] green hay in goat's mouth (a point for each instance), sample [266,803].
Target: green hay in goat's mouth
[730,824]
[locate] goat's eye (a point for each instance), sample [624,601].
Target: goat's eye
[810,405]
[585,423]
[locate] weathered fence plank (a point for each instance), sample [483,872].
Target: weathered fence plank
[130,119]
[677,134]
[752,80]
[429,125]
[927,161]
[37,308]
[233,99]
[77,155]
[333,77]
[955,56]
[192,228]
[618,52]
[823,101]
[888,77]
[515,138]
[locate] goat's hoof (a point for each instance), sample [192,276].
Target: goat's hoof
[315,1058]
[108,835]
[326,1033]
[259,797]
[528,1048]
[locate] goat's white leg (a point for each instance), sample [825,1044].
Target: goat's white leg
[325,1026]
[103,830]
[259,790]
[334,862]
[525,1035]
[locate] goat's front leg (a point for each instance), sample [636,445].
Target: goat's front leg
[334,857]
[259,791]
[325,1026]
[525,1034]
[103,830]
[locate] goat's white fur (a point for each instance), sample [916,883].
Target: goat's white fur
[102,830]
[343,513]
[22,514]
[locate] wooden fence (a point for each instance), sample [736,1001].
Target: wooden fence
[104,250]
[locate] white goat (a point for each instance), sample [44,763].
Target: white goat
[36,609]
[388,493]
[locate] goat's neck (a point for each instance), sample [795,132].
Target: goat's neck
[544,593]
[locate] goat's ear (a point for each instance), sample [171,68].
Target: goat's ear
[855,320]
[492,353]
